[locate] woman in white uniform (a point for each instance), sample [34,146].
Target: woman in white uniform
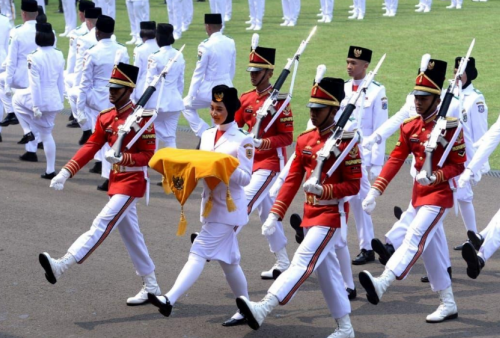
[38,104]
[217,239]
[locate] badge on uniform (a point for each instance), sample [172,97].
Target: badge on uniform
[480,107]
[384,103]
[200,54]
[248,150]
[354,152]
[249,109]
[464,116]
[414,138]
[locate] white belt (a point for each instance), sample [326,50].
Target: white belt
[313,200]
[121,169]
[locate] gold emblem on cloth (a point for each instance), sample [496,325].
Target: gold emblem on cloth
[358,52]
[431,65]
[219,97]
[178,182]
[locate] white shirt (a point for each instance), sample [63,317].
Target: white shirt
[21,44]
[488,144]
[4,38]
[73,37]
[83,43]
[141,55]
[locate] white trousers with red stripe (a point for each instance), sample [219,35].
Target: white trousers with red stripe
[119,212]
[491,235]
[425,237]
[315,253]
[257,194]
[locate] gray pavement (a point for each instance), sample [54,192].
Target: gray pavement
[89,300]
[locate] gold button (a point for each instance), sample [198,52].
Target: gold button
[318,142]
[423,129]
[314,156]
[257,101]
[116,118]
[420,158]
[114,133]
[253,114]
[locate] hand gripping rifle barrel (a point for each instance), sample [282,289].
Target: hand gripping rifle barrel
[333,142]
[272,100]
[439,130]
[133,120]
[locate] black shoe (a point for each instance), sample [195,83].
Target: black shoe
[97,168]
[40,145]
[29,157]
[45,263]
[73,124]
[71,118]
[351,294]
[104,186]
[367,283]
[475,239]
[164,309]
[398,212]
[85,136]
[424,279]
[0,137]
[276,274]
[160,184]
[364,257]
[193,236]
[295,222]
[199,144]
[384,251]
[27,138]
[235,322]
[450,272]
[10,119]
[48,176]
[474,262]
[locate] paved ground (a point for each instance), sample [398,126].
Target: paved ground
[89,301]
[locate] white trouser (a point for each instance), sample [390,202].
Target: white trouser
[327,7]
[188,13]
[229,10]
[364,224]
[315,253]
[120,211]
[393,6]
[69,8]
[175,10]
[425,237]
[360,5]
[166,128]
[428,3]
[257,194]
[138,11]
[218,6]
[286,10]
[6,100]
[108,7]
[491,235]
[291,10]
[217,241]
[134,29]
[198,126]
[457,2]
[22,106]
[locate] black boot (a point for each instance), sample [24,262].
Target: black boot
[104,186]
[29,157]
[40,145]
[475,239]
[474,263]
[10,119]
[85,136]
[384,251]
[97,169]
[365,256]
[27,138]
[351,294]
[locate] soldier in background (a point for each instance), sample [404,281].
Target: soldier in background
[141,55]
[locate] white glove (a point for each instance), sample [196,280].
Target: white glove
[465,177]
[37,113]
[369,141]
[269,226]
[423,179]
[313,188]
[111,158]
[369,201]
[375,171]
[257,142]
[275,189]
[58,182]
[188,100]
[80,117]
[485,168]
[8,90]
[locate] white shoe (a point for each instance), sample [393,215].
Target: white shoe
[392,14]
[360,16]
[328,19]
[376,287]
[282,263]
[64,34]
[285,23]
[420,9]
[459,6]
[249,21]
[257,27]
[54,268]
[344,328]
[418,5]
[387,13]
[354,15]
[227,18]
[427,9]
[149,285]
[451,6]
[291,24]
[132,41]
[351,6]
[351,11]
[319,14]
[252,26]
[447,308]
[256,312]
[183,29]
[177,36]
[322,19]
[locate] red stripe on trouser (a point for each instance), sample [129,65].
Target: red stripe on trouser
[260,191]
[421,245]
[310,266]
[110,227]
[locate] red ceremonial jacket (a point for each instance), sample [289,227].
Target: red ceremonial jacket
[414,133]
[345,181]
[120,182]
[279,136]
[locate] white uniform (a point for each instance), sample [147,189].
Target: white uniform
[256,8]
[167,98]
[141,55]
[107,6]
[69,8]
[291,11]
[327,8]
[46,92]
[370,113]
[138,11]
[188,14]
[217,239]
[229,10]
[216,65]
[218,6]
[175,10]
[4,46]
[6,9]
[73,38]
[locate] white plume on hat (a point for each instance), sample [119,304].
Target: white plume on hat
[425,62]
[320,73]
[255,41]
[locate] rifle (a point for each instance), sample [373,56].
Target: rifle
[272,100]
[133,120]
[439,130]
[332,143]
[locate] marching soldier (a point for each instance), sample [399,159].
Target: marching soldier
[216,65]
[141,55]
[270,148]
[217,239]
[370,114]
[128,183]
[167,99]
[22,42]
[432,197]
[38,104]
[323,215]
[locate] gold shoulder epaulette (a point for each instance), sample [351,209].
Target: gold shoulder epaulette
[248,91]
[148,112]
[410,119]
[107,110]
[348,135]
[307,131]
[282,96]
[451,122]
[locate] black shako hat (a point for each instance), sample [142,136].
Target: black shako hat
[329,92]
[105,24]
[431,81]
[123,75]
[359,53]
[261,58]
[213,19]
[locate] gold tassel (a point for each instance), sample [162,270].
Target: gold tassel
[181,228]
[208,206]
[229,201]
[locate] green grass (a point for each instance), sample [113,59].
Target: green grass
[443,33]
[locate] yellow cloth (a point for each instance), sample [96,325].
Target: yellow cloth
[182,168]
